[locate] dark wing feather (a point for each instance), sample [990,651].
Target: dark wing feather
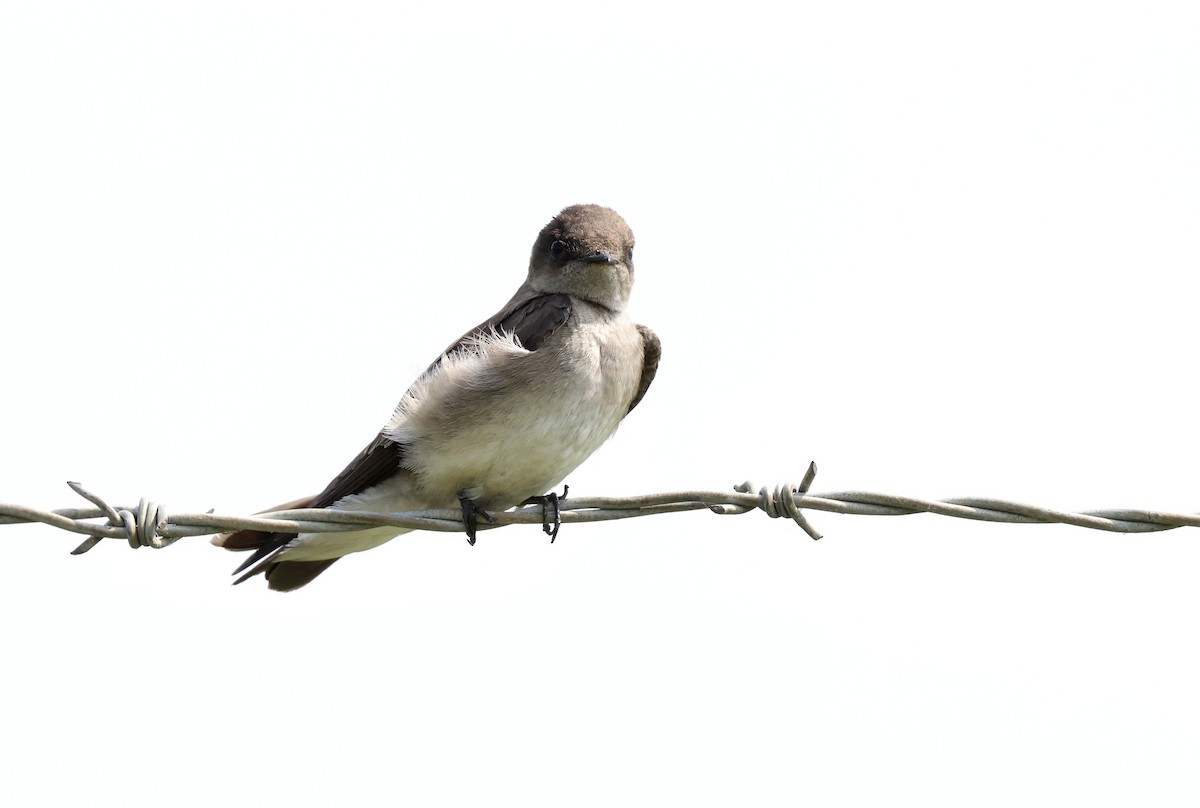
[532,318]
[651,353]
[535,319]
[374,464]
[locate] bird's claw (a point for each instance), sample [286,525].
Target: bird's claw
[548,502]
[471,514]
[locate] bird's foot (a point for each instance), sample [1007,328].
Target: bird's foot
[549,504]
[471,514]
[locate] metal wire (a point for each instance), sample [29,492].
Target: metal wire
[149,525]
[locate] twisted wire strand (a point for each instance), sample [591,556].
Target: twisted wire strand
[150,525]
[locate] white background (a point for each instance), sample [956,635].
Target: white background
[943,249]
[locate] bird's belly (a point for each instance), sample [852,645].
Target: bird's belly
[523,456]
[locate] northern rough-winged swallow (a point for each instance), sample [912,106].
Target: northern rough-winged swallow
[505,413]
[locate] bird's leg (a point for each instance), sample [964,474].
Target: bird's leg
[547,502]
[470,513]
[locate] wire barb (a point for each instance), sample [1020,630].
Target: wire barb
[142,529]
[782,501]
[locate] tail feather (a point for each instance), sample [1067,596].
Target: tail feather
[272,544]
[282,576]
[257,539]
[243,540]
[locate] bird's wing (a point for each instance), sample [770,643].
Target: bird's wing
[532,318]
[651,353]
[374,464]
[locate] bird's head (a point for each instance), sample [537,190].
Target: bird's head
[585,251]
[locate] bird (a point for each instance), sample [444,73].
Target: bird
[502,415]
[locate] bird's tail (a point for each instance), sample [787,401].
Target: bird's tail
[257,539]
[282,576]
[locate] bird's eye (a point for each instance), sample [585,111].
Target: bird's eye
[557,247]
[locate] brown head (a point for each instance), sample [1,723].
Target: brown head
[587,252]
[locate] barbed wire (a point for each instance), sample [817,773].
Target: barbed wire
[149,524]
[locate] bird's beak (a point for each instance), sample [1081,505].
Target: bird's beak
[600,257]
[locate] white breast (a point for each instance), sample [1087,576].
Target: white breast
[500,424]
